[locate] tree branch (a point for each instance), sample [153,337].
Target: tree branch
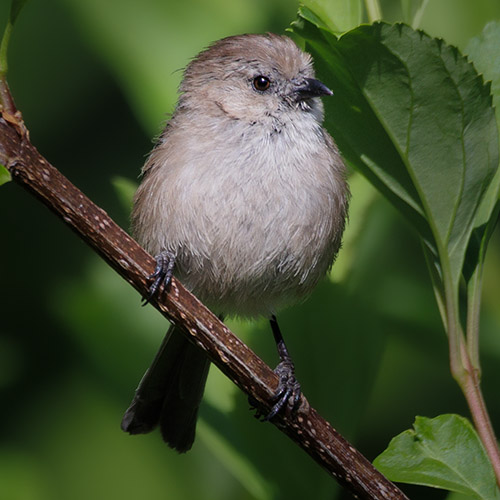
[308,429]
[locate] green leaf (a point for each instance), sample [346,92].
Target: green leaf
[15,9]
[458,496]
[355,126]
[4,175]
[443,452]
[338,15]
[484,51]
[413,115]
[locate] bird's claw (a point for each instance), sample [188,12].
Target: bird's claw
[287,396]
[164,270]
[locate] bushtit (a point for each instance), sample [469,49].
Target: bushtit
[243,199]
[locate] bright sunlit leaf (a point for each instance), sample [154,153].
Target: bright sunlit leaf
[4,175]
[443,452]
[339,15]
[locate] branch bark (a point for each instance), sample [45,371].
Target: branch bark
[305,427]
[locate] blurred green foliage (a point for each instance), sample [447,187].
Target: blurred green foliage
[95,80]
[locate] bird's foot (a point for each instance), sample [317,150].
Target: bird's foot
[287,396]
[164,270]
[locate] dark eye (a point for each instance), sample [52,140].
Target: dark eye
[261,83]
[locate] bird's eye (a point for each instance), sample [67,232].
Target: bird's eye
[261,83]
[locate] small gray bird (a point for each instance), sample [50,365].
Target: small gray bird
[244,200]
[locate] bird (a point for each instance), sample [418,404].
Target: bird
[244,199]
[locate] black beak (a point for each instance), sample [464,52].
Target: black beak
[310,87]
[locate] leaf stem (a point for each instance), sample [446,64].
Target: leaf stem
[6,101]
[3,50]
[406,10]
[453,326]
[417,19]
[472,392]
[373,9]
[473,310]
[474,289]
[471,385]
[464,363]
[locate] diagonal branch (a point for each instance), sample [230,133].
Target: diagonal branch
[309,430]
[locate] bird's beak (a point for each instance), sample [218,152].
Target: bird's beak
[310,87]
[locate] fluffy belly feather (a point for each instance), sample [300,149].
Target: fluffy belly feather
[247,239]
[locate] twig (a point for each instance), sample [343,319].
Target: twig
[310,431]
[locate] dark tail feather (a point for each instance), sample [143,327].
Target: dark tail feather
[170,393]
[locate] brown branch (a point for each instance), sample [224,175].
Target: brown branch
[308,429]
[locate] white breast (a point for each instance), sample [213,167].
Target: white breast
[251,231]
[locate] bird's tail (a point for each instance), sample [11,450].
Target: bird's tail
[170,393]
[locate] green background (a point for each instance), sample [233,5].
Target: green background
[95,80]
